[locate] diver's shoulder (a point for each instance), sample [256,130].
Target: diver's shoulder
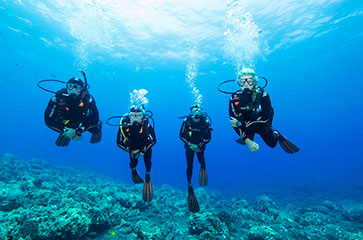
[126,120]
[90,97]
[236,94]
[61,91]
[59,95]
[263,92]
[188,118]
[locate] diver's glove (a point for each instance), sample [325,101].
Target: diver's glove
[143,150]
[77,137]
[69,132]
[194,147]
[136,153]
[252,145]
[234,122]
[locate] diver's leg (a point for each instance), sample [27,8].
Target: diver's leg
[133,162]
[96,133]
[147,193]
[268,135]
[135,175]
[203,176]
[147,160]
[192,200]
[201,158]
[190,156]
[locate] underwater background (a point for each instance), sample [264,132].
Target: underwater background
[179,51]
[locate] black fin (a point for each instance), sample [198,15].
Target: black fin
[136,177]
[288,146]
[192,201]
[203,177]
[62,141]
[147,193]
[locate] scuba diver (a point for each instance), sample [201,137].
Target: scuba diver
[136,136]
[251,112]
[195,132]
[72,111]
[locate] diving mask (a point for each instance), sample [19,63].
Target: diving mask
[196,112]
[71,86]
[246,81]
[136,116]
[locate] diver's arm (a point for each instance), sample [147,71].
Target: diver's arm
[183,132]
[232,110]
[152,134]
[267,110]
[207,134]
[50,116]
[120,141]
[236,118]
[151,139]
[92,116]
[237,121]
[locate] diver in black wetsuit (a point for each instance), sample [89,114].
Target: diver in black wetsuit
[136,136]
[195,132]
[251,112]
[72,111]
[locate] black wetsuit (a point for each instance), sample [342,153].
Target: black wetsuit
[137,137]
[198,133]
[72,112]
[253,117]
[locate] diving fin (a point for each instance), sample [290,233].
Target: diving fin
[285,144]
[192,201]
[62,141]
[136,177]
[147,193]
[203,177]
[96,137]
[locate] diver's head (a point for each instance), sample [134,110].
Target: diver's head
[196,112]
[74,86]
[246,79]
[136,114]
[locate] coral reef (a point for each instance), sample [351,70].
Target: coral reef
[41,201]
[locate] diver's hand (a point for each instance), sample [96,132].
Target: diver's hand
[135,153]
[69,132]
[194,147]
[77,137]
[234,122]
[252,145]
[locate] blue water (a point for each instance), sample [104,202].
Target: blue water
[311,53]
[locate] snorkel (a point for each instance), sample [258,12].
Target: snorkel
[85,83]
